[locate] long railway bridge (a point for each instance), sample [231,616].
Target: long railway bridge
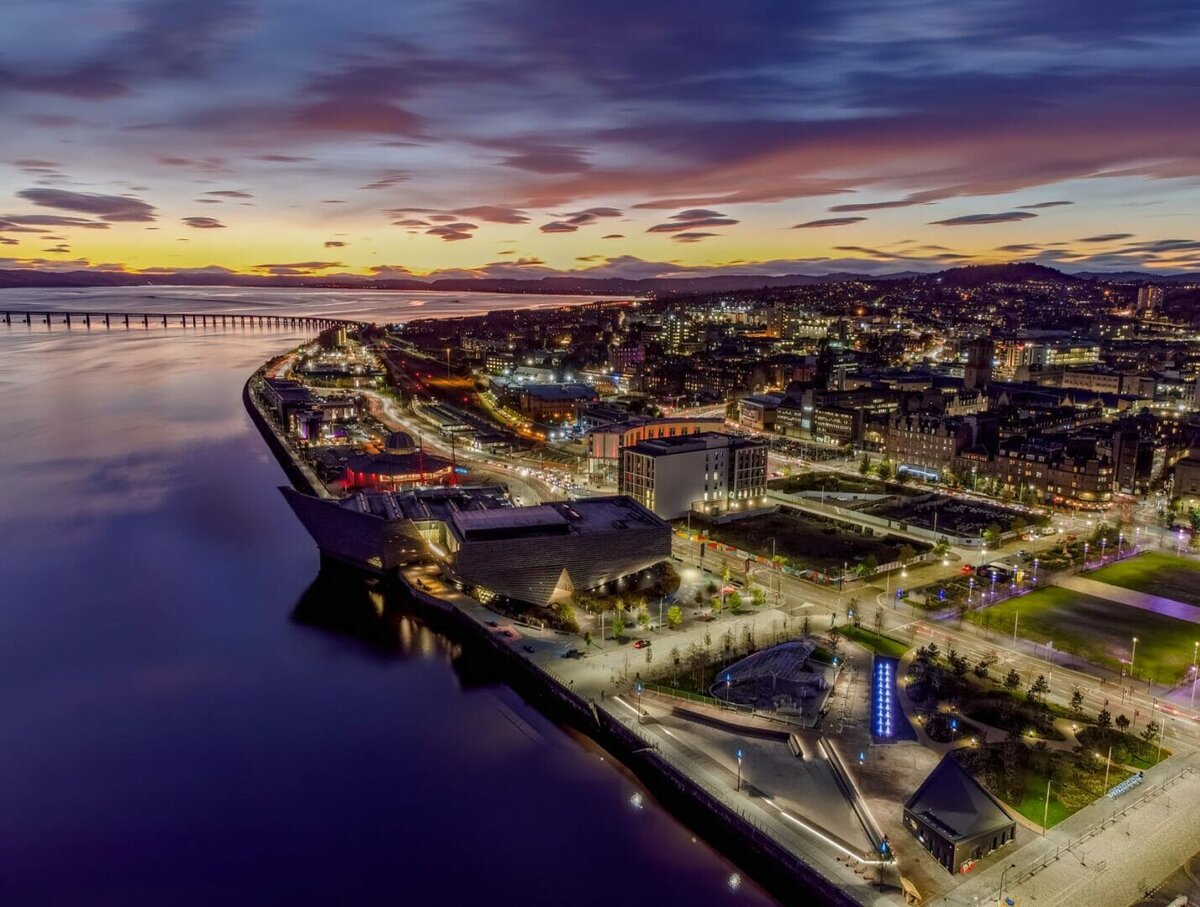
[146,320]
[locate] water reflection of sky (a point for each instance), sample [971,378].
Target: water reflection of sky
[175,729]
[374,305]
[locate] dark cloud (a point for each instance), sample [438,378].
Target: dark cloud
[494,214]
[334,244]
[690,236]
[549,158]
[52,220]
[230,193]
[558,226]
[301,266]
[111,208]
[389,179]
[1105,237]
[970,220]
[691,219]
[453,232]
[613,236]
[283,158]
[203,223]
[1044,205]
[829,222]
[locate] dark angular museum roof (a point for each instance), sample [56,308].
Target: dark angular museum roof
[957,804]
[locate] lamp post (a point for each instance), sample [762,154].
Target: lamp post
[1003,877]
[1132,655]
[1107,766]
[739,777]
[1046,810]
[1195,653]
[639,692]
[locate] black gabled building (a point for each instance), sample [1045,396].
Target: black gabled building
[955,818]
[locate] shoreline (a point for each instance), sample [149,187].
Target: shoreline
[779,871]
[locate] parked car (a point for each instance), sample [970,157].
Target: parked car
[641,643]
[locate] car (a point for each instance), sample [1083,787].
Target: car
[1072,538]
[492,623]
[528,649]
[1024,554]
[966,569]
[641,643]
[507,634]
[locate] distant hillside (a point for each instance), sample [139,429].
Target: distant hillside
[588,286]
[971,276]
[1015,272]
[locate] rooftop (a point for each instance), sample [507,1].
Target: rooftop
[956,803]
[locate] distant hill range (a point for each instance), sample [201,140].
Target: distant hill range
[975,275]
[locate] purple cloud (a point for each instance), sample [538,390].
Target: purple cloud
[203,223]
[111,208]
[829,222]
[971,220]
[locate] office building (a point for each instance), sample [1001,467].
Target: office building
[710,473]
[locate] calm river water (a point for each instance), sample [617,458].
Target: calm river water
[190,715]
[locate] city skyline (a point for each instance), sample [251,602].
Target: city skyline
[535,139]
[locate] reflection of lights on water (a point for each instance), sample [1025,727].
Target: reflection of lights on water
[735,881]
[636,800]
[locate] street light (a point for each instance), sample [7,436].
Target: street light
[1132,655]
[739,760]
[1107,766]
[1195,653]
[1046,810]
[639,692]
[1003,876]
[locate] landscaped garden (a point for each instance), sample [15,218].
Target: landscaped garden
[1098,630]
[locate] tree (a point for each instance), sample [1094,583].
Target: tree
[805,625]
[674,617]
[991,535]
[1150,731]
[711,587]
[958,663]
[725,574]
[757,597]
[1012,681]
[566,614]
[941,547]
[1077,701]
[878,619]
[587,638]
[885,469]
[1018,525]
[643,618]
[1039,689]
[735,602]
[1122,723]
[1104,719]
[864,466]
[906,554]
[981,670]
[618,627]
[715,604]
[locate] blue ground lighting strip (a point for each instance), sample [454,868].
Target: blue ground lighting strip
[882,701]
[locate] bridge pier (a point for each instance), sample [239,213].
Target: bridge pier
[106,321]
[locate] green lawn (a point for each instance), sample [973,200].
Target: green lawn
[883,645]
[1158,574]
[1032,804]
[1098,630]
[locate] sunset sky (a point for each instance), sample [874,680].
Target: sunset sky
[623,138]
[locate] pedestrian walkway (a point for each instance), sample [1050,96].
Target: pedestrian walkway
[1167,607]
